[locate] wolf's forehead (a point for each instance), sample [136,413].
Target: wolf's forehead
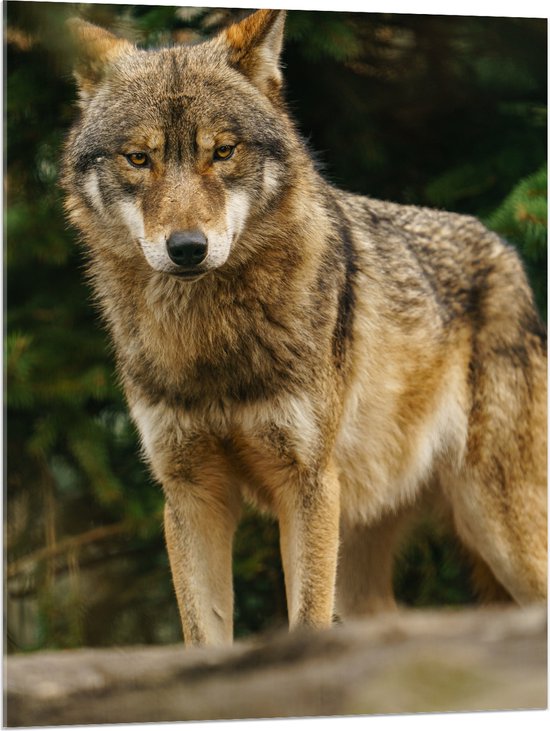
[185,72]
[170,82]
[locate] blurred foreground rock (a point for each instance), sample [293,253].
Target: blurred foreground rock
[414,661]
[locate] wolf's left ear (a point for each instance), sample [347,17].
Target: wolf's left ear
[254,47]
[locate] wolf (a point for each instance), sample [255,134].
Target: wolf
[338,361]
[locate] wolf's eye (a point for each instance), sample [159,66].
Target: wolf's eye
[138,159]
[223,152]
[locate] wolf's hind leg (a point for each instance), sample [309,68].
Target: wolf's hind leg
[499,495]
[506,525]
[365,565]
[486,586]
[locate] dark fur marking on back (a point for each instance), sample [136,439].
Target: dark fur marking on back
[445,307]
[343,331]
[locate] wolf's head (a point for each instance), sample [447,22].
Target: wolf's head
[178,149]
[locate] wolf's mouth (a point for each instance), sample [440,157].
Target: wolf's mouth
[187,276]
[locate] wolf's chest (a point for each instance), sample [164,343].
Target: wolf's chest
[273,435]
[194,368]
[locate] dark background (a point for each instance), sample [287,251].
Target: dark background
[448,112]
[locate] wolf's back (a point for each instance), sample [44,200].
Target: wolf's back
[450,260]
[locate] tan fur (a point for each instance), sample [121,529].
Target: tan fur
[335,360]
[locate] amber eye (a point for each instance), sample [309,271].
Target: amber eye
[223,152]
[138,159]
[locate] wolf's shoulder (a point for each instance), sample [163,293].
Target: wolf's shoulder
[436,239]
[415,226]
[448,257]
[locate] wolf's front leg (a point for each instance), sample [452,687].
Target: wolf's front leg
[202,509]
[199,527]
[308,522]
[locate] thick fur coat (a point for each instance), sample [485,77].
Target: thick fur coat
[337,360]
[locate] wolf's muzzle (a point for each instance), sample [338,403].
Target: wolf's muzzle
[187,249]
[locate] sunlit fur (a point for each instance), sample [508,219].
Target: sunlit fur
[341,362]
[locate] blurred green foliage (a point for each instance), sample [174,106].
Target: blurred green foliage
[439,111]
[522,219]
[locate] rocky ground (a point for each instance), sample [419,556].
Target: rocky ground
[414,661]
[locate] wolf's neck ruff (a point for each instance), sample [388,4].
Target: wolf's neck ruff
[256,313]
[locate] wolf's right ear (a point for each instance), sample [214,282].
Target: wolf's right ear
[96,49]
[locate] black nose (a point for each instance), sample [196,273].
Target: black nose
[187,248]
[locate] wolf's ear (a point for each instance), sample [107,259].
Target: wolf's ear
[96,49]
[254,47]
